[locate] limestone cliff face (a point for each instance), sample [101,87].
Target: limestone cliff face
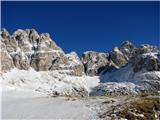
[94,62]
[145,57]
[26,48]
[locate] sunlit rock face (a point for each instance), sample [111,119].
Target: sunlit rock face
[69,63]
[146,58]
[27,48]
[6,59]
[94,62]
[121,55]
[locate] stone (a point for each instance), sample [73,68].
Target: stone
[6,59]
[70,62]
[128,49]
[148,62]
[117,57]
[94,62]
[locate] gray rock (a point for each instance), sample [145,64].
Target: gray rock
[94,62]
[145,48]
[32,35]
[69,62]
[147,61]
[6,59]
[128,49]
[118,58]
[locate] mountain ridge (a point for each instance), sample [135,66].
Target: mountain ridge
[27,52]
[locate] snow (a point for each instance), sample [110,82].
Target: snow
[150,54]
[48,81]
[116,49]
[114,88]
[118,75]
[73,60]
[25,95]
[25,105]
[126,74]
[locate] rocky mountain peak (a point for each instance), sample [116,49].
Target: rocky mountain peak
[27,48]
[124,70]
[4,33]
[127,45]
[94,62]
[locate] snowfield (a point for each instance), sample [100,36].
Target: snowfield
[55,83]
[27,94]
[28,105]
[49,82]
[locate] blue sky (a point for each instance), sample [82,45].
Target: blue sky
[82,26]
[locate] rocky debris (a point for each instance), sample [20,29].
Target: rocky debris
[115,89]
[74,92]
[50,83]
[133,107]
[94,62]
[141,109]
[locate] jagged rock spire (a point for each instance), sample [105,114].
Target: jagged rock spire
[26,48]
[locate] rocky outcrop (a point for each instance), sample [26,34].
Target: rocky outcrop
[94,62]
[128,49]
[117,57]
[26,48]
[121,55]
[142,69]
[6,60]
[69,62]
[146,58]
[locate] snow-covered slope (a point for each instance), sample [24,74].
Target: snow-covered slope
[49,82]
[141,74]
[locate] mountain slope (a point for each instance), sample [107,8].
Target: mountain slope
[33,61]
